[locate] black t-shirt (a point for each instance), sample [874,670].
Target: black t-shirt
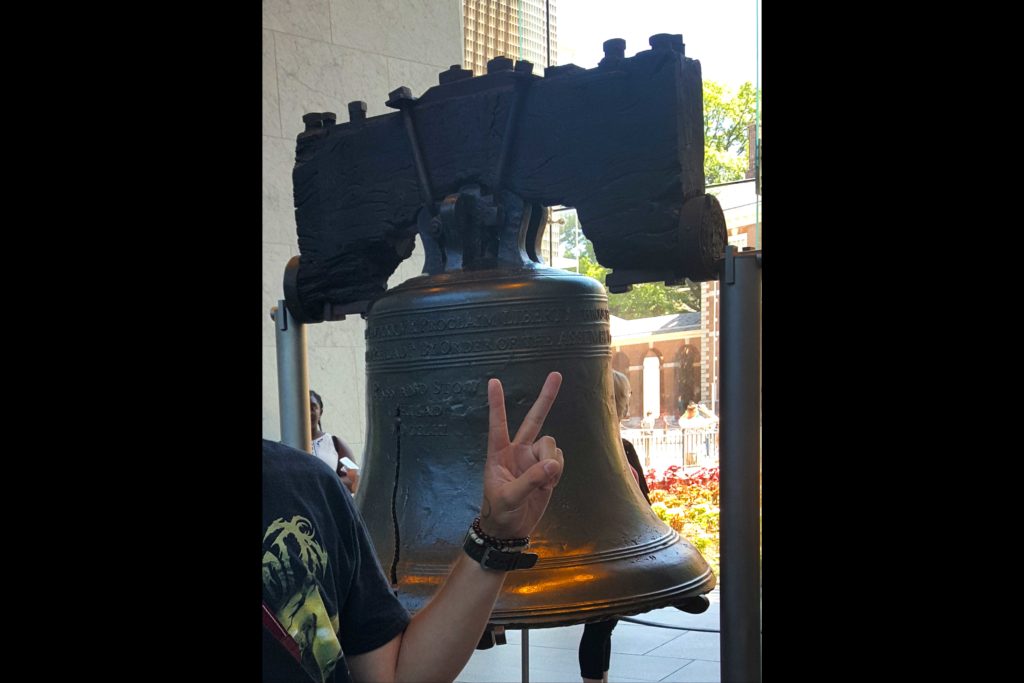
[321,577]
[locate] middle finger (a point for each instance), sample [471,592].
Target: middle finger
[534,420]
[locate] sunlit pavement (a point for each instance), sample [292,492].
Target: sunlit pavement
[639,652]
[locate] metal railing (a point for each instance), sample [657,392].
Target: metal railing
[662,448]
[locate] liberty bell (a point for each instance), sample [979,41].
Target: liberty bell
[470,167]
[431,345]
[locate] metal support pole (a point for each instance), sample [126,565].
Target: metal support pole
[526,655]
[740,492]
[292,378]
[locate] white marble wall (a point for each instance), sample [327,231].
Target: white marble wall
[318,55]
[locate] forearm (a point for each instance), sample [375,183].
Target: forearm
[443,635]
[519,477]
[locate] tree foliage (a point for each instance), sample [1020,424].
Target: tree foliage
[727,118]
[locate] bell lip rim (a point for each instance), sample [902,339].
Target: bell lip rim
[583,612]
[700,585]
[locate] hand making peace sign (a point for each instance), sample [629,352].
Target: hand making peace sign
[519,475]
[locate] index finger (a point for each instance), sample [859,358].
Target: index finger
[497,423]
[534,419]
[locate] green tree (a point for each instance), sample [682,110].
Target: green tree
[727,118]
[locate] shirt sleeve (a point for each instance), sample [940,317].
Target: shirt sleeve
[370,615]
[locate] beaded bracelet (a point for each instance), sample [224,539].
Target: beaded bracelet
[511,545]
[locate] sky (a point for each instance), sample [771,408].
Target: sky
[722,34]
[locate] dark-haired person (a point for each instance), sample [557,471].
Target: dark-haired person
[329,447]
[328,609]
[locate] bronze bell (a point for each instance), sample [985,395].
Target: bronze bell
[431,345]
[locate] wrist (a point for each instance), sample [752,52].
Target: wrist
[492,527]
[489,527]
[499,554]
[505,542]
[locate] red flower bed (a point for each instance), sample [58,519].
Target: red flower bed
[688,502]
[678,481]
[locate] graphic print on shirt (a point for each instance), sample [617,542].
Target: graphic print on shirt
[294,568]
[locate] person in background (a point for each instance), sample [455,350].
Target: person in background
[707,413]
[596,644]
[692,418]
[328,447]
[697,442]
[621,387]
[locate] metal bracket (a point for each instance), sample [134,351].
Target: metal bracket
[335,312]
[402,99]
[523,70]
[730,264]
[280,320]
[619,281]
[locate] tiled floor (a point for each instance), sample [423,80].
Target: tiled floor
[639,652]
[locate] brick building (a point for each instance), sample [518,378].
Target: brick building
[662,358]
